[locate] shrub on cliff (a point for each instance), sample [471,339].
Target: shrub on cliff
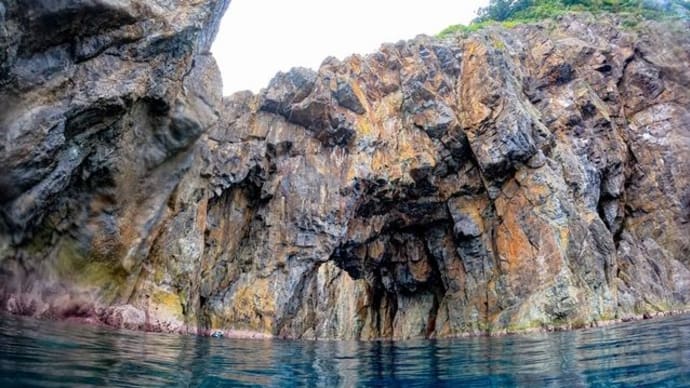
[511,12]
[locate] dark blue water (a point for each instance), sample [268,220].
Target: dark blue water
[654,353]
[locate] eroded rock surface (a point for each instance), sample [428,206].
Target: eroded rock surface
[512,179]
[101,106]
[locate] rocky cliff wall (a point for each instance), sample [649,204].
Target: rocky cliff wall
[101,106]
[511,179]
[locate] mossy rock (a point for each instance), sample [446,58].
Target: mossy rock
[73,265]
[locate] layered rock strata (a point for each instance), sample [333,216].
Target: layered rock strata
[512,179]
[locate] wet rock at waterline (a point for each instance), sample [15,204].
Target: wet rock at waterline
[535,177]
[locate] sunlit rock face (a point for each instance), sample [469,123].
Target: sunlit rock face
[512,179]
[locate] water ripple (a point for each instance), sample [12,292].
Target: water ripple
[51,354]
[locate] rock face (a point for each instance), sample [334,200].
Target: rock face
[101,106]
[508,180]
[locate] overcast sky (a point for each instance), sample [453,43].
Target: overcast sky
[258,38]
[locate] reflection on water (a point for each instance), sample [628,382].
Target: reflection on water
[57,354]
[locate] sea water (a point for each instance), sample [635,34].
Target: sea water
[40,353]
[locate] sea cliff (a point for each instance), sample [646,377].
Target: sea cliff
[497,181]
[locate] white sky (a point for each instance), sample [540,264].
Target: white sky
[258,38]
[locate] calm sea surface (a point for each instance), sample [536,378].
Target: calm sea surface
[654,353]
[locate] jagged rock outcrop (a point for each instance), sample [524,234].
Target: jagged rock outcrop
[512,179]
[101,106]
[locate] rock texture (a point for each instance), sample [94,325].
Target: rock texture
[101,106]
[512,179]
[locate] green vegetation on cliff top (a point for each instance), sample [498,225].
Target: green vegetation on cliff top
[513,12]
